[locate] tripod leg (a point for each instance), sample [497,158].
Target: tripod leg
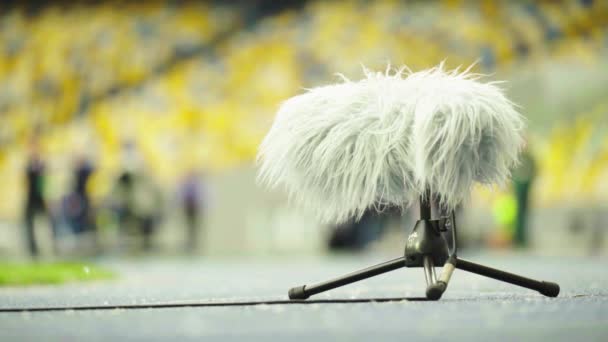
[305,291]
[429,270]
[544,287]
[436,290]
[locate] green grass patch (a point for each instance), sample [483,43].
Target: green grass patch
[16,274]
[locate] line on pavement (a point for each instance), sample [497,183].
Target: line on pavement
[209,304]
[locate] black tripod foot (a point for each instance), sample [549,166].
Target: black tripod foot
[435,291]
[298,293]
[549,289]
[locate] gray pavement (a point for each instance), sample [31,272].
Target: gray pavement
[473,308]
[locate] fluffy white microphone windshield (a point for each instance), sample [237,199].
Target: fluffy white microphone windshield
[344,148]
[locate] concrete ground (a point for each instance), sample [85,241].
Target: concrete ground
[473,308]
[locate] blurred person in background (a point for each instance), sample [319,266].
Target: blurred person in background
[511,209]
[77,208]
[523,178]
[355,235]
[136,198]
[35,204]
[147,207]
[122,193]
[192,199]
[504,211]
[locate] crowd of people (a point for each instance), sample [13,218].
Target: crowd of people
[135,205]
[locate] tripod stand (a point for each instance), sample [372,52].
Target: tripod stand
[427,247]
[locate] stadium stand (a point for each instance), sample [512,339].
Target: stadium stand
[90,76]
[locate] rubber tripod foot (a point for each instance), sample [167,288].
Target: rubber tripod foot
[549,289]
[435,291]
[298,293]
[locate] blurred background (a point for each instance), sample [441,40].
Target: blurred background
[131,128]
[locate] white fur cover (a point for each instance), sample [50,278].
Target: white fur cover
[343,148]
